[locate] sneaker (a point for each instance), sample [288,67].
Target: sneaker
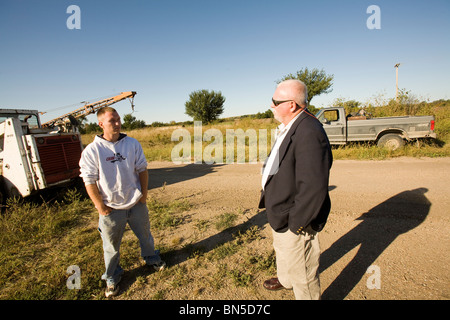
[111,290]
[159,266]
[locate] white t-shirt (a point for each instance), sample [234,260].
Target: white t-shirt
[272,164]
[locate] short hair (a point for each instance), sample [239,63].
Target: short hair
[300,93]
[303,96]
[104,110]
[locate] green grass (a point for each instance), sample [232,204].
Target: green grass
[40,239]
[225,221]
[366,151]
[166,215]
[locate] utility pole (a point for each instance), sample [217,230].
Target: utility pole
[396,81]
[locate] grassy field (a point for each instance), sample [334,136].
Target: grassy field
[158,145]
[40,238]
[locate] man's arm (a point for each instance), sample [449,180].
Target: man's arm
[143,178]
[96,198]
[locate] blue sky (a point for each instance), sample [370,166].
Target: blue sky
[164,50]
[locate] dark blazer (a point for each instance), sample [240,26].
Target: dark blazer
[297,195]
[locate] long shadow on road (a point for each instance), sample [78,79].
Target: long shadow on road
[381,225]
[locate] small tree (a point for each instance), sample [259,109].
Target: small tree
[317,81]
[350,106]
[90,128]
[264,115]
[130,122]
[204,105]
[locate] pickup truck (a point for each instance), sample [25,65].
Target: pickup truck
[390,132]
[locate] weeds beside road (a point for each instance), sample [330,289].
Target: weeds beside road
[40,240]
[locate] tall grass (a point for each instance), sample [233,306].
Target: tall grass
[39,240]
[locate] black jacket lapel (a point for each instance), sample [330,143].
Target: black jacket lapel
[287,140]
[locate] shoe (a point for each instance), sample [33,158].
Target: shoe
[159,266]
[273,284]
[111,290]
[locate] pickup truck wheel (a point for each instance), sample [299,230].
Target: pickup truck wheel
[391,141]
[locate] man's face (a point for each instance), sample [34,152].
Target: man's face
[110,123]
[282,111]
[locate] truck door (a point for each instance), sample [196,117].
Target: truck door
[335,125]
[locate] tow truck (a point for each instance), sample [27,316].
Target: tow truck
[35,156]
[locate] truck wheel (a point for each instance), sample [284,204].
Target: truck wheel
[391,141]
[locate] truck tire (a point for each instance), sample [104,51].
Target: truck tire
[391,141]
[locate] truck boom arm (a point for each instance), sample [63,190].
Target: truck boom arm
[89,109]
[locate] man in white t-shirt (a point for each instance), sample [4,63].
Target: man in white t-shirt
[114,171]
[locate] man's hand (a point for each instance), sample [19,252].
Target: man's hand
[143,199]
[143,179]
[104,210]
[96,198]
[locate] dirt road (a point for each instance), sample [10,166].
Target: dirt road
[387,235]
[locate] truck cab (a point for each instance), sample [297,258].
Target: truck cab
[335,124]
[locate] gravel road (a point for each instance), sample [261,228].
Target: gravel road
[387,235]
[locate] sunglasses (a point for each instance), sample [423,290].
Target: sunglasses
[276,103]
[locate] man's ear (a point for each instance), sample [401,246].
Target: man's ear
[292,106]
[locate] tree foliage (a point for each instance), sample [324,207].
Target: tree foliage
[317,81]
[204,105]
[264,115]
[350,106]
[90,128]
[130,122]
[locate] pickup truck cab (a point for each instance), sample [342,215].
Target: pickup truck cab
[390,132]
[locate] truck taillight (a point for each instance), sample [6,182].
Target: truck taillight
[432,125]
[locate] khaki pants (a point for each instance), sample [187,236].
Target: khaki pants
[297,258]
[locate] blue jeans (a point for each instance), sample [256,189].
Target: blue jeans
[111,228]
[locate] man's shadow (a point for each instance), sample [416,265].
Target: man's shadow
[381,225]
[160,177]
[177,256]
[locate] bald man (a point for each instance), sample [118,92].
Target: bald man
[295,191]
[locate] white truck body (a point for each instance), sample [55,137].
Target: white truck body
[33,158]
